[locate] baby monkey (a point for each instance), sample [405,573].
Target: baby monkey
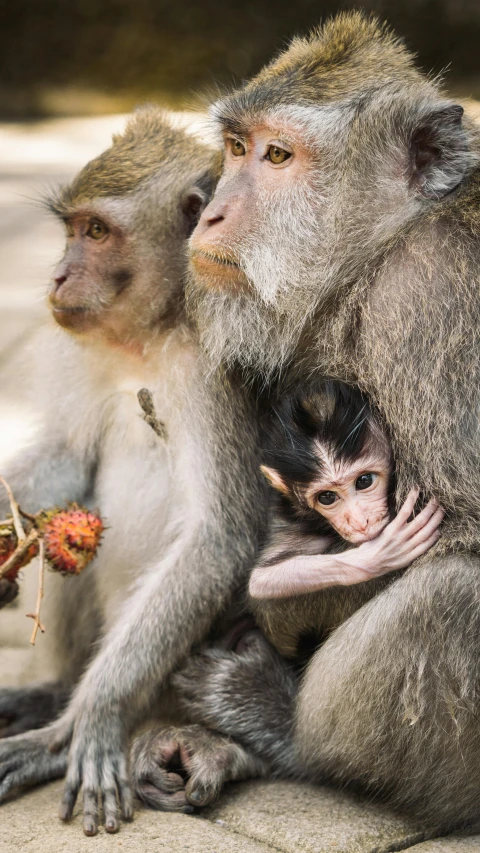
[331,462]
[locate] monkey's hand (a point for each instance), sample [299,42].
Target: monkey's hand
[8,591]
[98,761]
[398,545]
[26,759]
[248,694]
[175,769]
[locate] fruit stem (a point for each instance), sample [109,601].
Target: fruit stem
[41,576]
[17,522]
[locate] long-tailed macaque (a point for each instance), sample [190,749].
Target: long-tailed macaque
[342,240]
[166,567]
[331,463]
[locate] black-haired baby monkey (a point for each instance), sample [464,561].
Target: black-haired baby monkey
[331,462]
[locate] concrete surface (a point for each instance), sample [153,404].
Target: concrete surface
[251,817]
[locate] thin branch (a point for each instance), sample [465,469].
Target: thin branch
[19,553]
[41,577]
[21,535]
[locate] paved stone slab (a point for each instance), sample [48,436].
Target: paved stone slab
[452,844]
[301,818]
[29,824]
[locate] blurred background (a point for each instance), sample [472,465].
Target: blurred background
[86,56]
[69,71]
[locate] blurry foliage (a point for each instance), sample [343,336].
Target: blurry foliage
[150,48]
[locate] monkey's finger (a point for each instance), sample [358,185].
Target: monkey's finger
[90,810]
[161,800]
[426,531]
[424,546]
[125,792]
[109,801]
[423,521]
[406,510]
[70,794]
[203,793]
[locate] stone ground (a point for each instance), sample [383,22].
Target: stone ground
[253,817]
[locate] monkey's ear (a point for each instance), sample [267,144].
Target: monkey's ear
[439,153]
[193,202]
[275,479]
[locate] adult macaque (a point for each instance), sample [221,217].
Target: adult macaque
[331,463]
[118,292]
[343,241]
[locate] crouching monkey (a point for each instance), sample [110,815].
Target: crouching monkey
[351,197]
[166,567]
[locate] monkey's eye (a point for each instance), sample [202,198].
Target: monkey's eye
[236,147]
[97,230]
[327,498]
[277,155]
[364,481]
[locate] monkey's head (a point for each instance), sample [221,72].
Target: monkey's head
[328,452]
[127,216]
[329,152]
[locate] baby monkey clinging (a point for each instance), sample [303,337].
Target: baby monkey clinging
[331,461]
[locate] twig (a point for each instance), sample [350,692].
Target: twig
[17,522]
[41,575]
[19,553]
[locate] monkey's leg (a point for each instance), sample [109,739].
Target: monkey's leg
[392,699]
[174,769]
[248,694]
[26,708]
[27,760]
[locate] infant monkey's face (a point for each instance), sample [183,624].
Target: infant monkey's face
[353,496]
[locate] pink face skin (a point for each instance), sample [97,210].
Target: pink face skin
[262,161]
[353,497]
[89,279]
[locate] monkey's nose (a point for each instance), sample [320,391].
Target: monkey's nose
[59,280]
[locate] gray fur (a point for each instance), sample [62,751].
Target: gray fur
[390,700]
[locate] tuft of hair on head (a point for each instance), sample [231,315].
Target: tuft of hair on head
[334,415]
[347,55]
[149,140]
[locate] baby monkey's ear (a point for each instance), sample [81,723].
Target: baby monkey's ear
[275,479]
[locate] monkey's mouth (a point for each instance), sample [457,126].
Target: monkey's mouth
[200,257]
[218,272]
[73,316]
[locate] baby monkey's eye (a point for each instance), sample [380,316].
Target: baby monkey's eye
[236,147]
[97,229]
[364,481]
[277,155]
[327,498]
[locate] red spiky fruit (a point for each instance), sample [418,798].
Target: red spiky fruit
[8,544]
[71,537]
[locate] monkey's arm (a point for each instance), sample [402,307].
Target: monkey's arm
[399,544]
[219,521]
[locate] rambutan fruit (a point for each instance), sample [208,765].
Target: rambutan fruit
[71,537]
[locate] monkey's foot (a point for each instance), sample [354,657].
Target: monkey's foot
[8,591]
[27,760]
[248,694]
[25,708]
[175,769]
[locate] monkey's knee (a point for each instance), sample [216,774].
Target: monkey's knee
[390,701]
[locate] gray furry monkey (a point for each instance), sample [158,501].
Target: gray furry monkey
[342,241]
[164,571]
[330,461]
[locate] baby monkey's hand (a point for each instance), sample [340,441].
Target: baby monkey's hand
[399,544]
